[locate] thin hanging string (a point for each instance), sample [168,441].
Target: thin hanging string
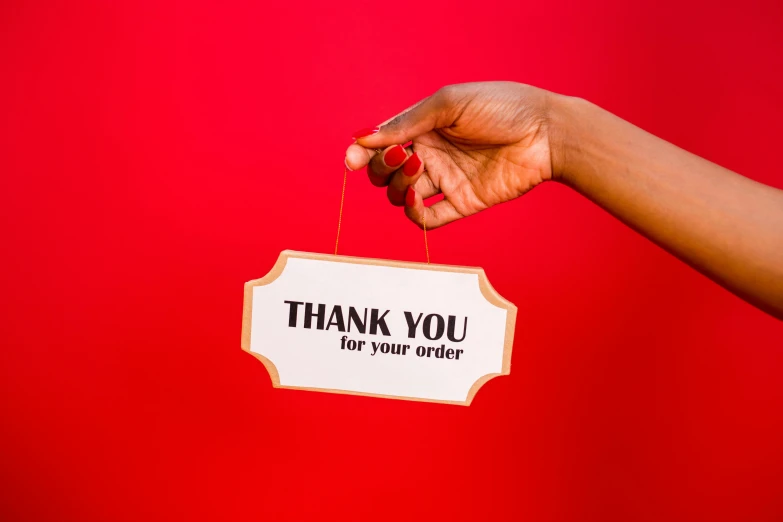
[340,221]
[426,247]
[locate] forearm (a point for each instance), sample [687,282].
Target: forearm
[725,225]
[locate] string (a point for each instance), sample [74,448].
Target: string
[340,221]
[426,247]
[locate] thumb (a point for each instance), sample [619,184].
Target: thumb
[433,112]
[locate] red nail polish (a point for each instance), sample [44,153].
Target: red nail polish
[411,166]
[395,156]
[361,133]
[410,197]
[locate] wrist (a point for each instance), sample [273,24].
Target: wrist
[565,117]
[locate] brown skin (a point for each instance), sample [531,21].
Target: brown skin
[482,144]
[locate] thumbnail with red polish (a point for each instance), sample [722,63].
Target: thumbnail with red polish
[361,133]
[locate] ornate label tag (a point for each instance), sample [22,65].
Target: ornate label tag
[381,328]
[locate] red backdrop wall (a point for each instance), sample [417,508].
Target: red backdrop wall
[155,156]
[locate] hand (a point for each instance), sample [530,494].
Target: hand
[479,144]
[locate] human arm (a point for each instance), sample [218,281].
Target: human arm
[483,144]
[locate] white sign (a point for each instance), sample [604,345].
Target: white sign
[382,328]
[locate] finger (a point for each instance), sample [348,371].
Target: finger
[389,160]
[377,179]
[434,112]
[357,156]
[403,178]
[425,187]
[437,215]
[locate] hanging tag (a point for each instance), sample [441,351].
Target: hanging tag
[381,328]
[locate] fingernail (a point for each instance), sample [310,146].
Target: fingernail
[346,165]
[395,156]
[410,197]
[411,166]
[361,133]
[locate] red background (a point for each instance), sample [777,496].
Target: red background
[155,156]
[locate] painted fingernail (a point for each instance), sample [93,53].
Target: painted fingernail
[411,166]
[361,133]
[395,156]
[346,166]
[410,197]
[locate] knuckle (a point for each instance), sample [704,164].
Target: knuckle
[448,93]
